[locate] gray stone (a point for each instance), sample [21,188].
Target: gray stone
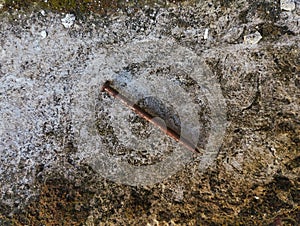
[55,123]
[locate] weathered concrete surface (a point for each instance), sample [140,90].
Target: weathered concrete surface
[46,179]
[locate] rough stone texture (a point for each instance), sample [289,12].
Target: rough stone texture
[45,178]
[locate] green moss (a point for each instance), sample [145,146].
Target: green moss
[74,6]
[81,7]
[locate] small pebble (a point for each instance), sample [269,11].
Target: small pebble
[252,38]
[77,207]
[44,34]
[205,34]
[43,12]
[288,5]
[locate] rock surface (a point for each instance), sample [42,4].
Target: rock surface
[50,76]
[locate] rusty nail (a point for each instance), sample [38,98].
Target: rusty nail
[145,115]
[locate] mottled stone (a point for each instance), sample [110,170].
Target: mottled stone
[50,99]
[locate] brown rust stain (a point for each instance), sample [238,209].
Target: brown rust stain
[61,202]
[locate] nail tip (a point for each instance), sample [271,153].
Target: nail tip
[197,151]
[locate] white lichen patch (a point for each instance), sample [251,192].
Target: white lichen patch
[34,103]
[68,20]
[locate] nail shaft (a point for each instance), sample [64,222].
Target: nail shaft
[142,113]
